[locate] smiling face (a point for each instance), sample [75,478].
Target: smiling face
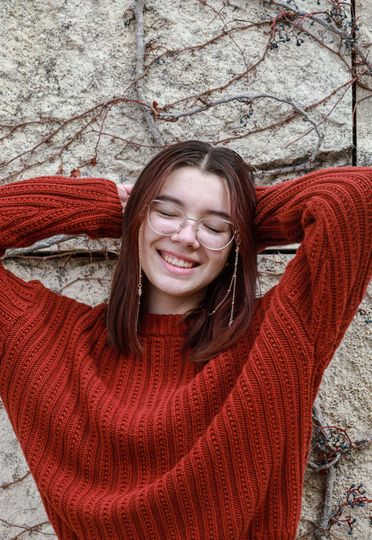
[178,267]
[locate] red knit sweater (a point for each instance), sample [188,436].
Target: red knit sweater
[161,448]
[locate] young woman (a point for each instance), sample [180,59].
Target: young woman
[182,409]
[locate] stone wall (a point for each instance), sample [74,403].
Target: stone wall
[75,100]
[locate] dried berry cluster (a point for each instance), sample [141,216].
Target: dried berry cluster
[356,496]
[334,14]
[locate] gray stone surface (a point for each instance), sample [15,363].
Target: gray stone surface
[364,95]
[61,59]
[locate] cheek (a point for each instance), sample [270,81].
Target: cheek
[140,240]
[146,252]
[143,251]
[218,264]
[143,240]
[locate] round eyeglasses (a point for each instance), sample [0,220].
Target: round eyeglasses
[166,218]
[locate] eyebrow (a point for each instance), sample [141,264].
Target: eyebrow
[168,198]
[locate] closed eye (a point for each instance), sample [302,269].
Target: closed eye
[212,229]
[163,213]
[217,228]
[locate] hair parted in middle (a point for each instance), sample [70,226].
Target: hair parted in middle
[207,335]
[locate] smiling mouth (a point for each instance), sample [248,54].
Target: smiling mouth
[180,263]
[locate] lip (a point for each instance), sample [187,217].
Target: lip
[178,270]
[177,256]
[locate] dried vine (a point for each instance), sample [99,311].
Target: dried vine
[28,529]
[289,22]
[330,445]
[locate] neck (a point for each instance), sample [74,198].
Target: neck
[161,303]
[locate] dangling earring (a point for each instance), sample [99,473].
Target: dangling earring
[139,290]
[233,282]
[231,286]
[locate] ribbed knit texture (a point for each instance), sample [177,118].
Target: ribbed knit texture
[160,448]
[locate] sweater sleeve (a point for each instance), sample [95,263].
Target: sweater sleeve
[329,213]
[38,208]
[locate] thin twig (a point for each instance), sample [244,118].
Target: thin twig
[198,46]
[330,27]
[327,506]
[319,420]
[329,449]
[218,89]
[76,280]
[7,485]
[325,117]
[41,244]
[27,528]
[246,98]
[140,50]
[135,144]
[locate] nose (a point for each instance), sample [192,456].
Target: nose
[187,235]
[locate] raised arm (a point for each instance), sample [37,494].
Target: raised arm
[329,212]
[42,207]
[34,209]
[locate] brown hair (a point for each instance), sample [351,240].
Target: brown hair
[207,335]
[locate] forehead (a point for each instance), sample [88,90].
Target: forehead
[197,191]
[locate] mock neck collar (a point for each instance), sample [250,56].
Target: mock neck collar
[163,325]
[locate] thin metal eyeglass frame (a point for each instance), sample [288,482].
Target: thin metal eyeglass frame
[196,229]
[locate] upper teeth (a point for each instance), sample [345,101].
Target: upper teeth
[177,262]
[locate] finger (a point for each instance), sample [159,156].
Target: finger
[123,193]
[125,190]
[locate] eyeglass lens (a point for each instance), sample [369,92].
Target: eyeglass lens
[166,218]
